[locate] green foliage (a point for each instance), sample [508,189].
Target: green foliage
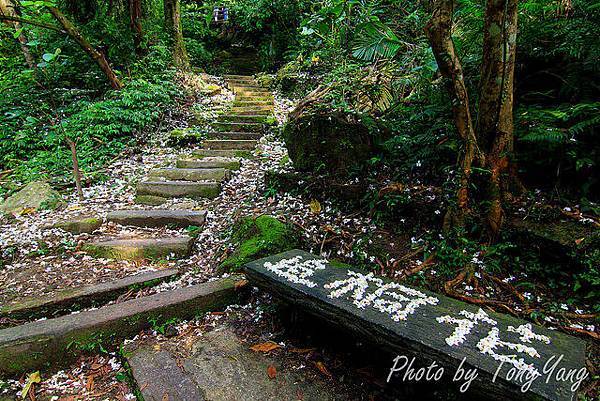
[35,146]
[456,250]
[587,283]
[254,238]
[374,41]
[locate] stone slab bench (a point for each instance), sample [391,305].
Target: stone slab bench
[505,351]
[54,342]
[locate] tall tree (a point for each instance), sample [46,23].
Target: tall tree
[495,115]
[173,27]
[8,9]
[135,22]
[489,143]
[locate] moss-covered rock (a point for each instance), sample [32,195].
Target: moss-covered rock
[328,142]
[150,200]
[257,238]
[37,195]
[566,242]
[79,226]
[185,136]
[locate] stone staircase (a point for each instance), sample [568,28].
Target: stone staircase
[232,137]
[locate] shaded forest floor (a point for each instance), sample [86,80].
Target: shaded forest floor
[41,261]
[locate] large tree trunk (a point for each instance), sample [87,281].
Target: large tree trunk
[495,115]
[97,56]
[173,27]
[491,144]
[7,8]
[135,21]
[439,32]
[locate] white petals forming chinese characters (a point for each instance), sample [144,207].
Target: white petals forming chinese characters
[527,334]
[296,270]
[464,326]
[392,298]
[489,344]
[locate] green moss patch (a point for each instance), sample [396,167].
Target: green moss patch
[257,238]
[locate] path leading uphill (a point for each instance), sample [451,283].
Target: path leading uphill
[145,255]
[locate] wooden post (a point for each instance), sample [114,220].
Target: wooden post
[76,171]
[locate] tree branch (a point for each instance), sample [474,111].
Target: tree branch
[31,22]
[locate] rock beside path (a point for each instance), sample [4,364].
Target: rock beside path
[36,195]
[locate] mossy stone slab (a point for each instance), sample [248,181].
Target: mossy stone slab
[79,226]
[235,136]
[229,144]
[179,189]
[56,342]
[150,200]
[210,162]
[187,174]
[83,296]
[238,127]
[158,218]
[246,119]
[210,153]
[145,248]
[413,322]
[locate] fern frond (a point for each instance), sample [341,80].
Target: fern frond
[375,41]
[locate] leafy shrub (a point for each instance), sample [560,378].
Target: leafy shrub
[35,147]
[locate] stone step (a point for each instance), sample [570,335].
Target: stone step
[220,366]
[252,98]
[415,321]
[180,189]
[253,103]
[238,127]
[239,86]
[236,118]
[184,174]
[209,153]
[229,144]
[235,135]
[253,92]
[209,162]
[140,248]
[237,108]
[186,136]
[243,82]
[239,77]
[158,218]
[251,111]
[55,342]
[82,297]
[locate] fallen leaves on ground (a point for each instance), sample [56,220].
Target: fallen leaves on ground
[265,347]
[240,284]
[31,379]
[271,371]
[321,366]
[315,206]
